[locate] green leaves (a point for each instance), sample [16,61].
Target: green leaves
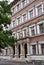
[5,11]
[6,38]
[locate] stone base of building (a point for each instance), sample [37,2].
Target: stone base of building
[22,59]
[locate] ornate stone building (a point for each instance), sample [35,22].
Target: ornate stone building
[28,26]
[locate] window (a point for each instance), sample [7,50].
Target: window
[20,35]
[24,32]
[42,48]
[24,17]
[18,7]
[23,3]
[18,20]
[13,11]
[34,49]
[14,23]
[32,31]
[39,9]
[14,34]
[30,1]
[31,14]
[41,27]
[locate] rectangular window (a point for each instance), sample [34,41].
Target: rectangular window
[30,1]
[24,17]
[42,48]
[32,31]
[18,20]
[13,11]
[20,35]
[18,7]
[24,32]
[14,23]
[34,49]
[39,9]
[41,26]
[23,3]
[31,14]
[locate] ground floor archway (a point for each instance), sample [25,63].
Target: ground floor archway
[25,50]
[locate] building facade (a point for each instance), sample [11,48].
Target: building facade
[28,27]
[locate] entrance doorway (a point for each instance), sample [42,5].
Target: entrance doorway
[19,51]
[25,49]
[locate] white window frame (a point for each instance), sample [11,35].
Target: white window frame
[30,29]
[22,4]
[14,33]
[37,6]
[17,34]
[29,13]
[15,22]
[22,17]
[26,31]
[20,20]
[19,7]
[38,26]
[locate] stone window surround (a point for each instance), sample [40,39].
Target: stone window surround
[20,20]
[20,2]
[30,29]
[38,26]
[37,6]
[39,45]
[22,17]
[23,31]
[17,33]
[38,32]
[30,10]
[14,33]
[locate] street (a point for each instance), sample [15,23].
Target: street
[8,62]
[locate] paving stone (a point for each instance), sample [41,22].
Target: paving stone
[8,62]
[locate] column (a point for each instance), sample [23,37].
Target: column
[36,49]
[28,51]
[39,48]
[22,51]
[4,52]
[8,52]
[11,51]
[16,51]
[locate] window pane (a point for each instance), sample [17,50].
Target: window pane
[32,31]
[41,26]
[18,20]
[31,1]
[23,3]
[31,14]
[39,9]
[18,7]
[25,33]
[24,17]
[14,23]
[42,48]
[34,49]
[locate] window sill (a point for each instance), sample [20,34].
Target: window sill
[37,35]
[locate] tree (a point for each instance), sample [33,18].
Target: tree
[6,38]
